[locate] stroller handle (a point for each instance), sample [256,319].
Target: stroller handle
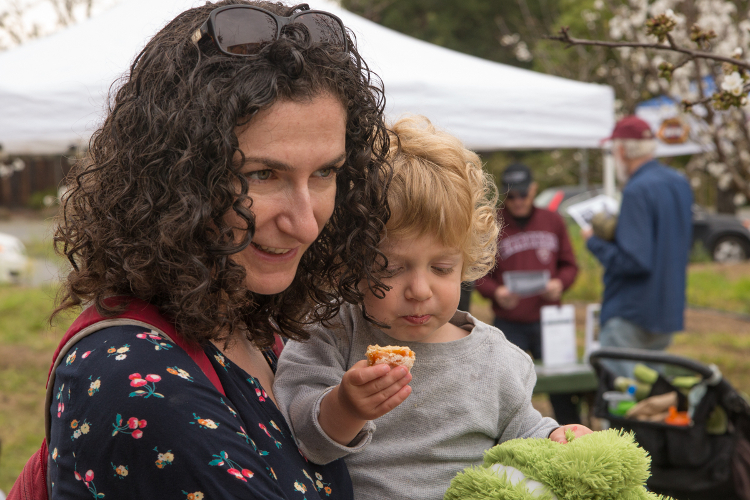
[707,372]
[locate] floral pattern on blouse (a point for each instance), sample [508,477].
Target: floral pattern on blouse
[135,417]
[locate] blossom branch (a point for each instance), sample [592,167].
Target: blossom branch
[564,37]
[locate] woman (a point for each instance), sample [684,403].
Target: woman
[237,172]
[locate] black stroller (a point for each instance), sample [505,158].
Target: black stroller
[687,462]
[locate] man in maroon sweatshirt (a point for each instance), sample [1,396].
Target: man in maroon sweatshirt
[533,239]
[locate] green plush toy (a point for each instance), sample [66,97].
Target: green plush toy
[605,465]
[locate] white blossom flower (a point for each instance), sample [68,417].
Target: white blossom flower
[725,181]
[739,199]
[508,40]
[737,52]
[715,168]
[695,182]
[733,83]
[522,53]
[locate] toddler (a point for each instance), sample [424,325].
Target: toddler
[405,435]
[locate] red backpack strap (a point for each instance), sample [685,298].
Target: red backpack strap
[278,345]
[138,313]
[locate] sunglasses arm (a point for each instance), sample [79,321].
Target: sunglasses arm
[198,34]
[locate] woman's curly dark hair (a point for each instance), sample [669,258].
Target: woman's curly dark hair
[145,215]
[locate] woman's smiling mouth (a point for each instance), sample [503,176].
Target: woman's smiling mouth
[271,250]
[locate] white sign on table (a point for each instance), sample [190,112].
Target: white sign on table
[558,335]
[592,330]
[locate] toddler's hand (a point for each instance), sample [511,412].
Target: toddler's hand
[369,392]
[558,435]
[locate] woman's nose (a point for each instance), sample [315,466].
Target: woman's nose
[418,287]
[299,218]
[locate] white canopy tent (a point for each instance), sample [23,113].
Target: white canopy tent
[53,90]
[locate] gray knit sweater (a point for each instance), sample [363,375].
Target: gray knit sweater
[467,396]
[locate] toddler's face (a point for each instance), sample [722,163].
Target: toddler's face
[425,281]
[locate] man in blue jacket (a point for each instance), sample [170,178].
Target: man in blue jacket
[645,264]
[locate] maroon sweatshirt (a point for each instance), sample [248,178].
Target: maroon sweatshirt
[542,243]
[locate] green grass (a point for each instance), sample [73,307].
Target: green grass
[718,290]
[27,342]
[42,249]
[708,284]
[588,285]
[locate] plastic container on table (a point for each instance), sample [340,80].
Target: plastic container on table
[618,402]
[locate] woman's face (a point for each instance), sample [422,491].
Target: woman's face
[292,151]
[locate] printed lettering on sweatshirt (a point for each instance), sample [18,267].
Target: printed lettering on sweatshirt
[544,242]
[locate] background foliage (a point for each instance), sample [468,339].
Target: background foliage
[513,32]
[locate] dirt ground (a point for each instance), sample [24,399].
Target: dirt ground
[697,321]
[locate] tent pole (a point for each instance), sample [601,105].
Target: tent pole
[583,168]
[609,172]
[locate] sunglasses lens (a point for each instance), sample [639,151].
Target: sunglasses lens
[322,28]
[244,31]
[517,194]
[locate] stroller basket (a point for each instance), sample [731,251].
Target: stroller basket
[687,462]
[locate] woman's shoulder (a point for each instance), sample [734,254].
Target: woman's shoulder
[122,366]
[119,348]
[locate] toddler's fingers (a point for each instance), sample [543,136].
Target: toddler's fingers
[381,389]
[394,400]
[558,435]
[361,374]
[389,383]
[581,430]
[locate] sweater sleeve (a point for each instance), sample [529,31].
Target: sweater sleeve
[306,373]
[525,421]
[631,252]
[567,269]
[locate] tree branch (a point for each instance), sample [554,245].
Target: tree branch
[564,37]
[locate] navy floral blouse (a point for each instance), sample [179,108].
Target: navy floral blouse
[134,417]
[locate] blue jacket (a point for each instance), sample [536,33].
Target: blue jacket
[645,265]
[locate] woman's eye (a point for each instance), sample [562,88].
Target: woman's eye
[259,175]
[326,172]
[390,272]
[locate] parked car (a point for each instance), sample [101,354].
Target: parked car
[724,236]
[14,264]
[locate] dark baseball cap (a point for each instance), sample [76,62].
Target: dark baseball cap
[516,177]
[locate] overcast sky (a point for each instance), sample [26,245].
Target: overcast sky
[27,16]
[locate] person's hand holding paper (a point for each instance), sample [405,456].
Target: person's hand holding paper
[526,283]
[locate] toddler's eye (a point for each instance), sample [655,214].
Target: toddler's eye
[259,175]
[442,270]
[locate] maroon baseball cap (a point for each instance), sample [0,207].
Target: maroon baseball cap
[631,127]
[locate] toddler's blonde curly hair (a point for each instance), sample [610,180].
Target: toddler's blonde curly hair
[439,188]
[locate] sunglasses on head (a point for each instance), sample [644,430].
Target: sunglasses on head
[513,195]
[242,30]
